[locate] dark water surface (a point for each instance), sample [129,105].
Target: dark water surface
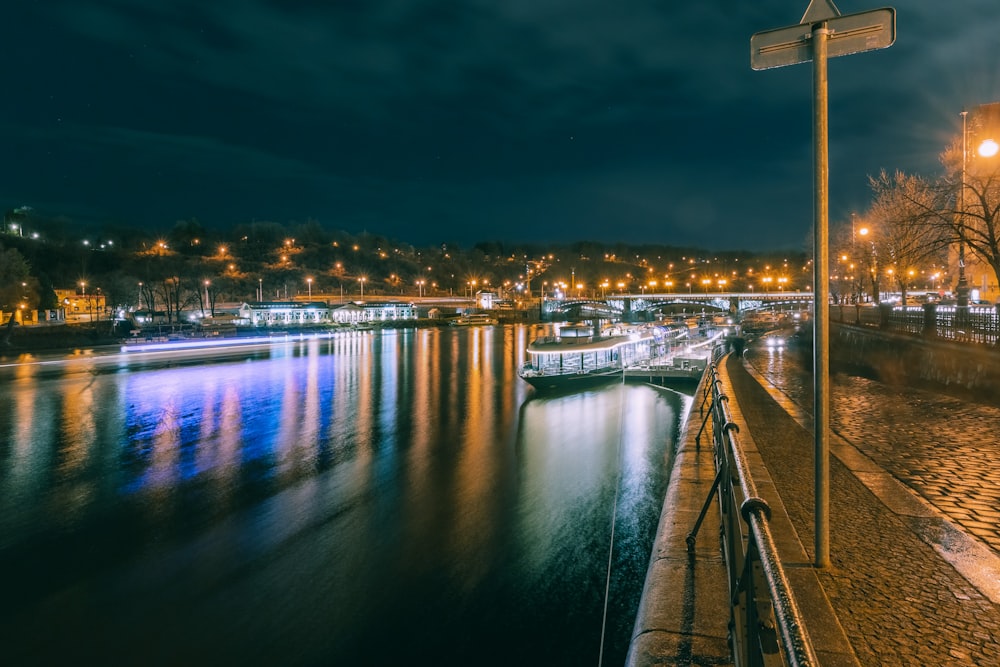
[366,499]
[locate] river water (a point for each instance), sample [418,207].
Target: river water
[374,498]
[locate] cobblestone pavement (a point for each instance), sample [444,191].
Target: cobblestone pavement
[900,603]
[946,449]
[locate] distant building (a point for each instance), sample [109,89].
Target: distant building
[283,313]
[382,311]
[82,307]
[349,313]
[485,300]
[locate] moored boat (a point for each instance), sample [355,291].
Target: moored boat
[474,319]
[579,357]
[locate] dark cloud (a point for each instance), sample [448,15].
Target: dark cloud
[469,119]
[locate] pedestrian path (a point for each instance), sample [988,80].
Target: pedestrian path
[915,576]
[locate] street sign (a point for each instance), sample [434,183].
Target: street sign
[822,34]
[852,33]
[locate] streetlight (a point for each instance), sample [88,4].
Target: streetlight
[140,295]
[361,281]
[260,289]
[309,282]
[420,288]
[207,282]
[987,148]
[962,288]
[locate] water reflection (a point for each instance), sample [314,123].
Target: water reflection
[296,504]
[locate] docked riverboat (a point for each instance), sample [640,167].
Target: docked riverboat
[474,319]
[580,357]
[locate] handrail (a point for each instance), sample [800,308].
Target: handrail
[962,324]
[767,630]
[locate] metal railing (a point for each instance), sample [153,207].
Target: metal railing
[766,625]
[962,324]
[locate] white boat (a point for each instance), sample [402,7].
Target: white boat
[474,319]
[578,357]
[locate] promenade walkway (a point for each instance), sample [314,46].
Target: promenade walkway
[915,519]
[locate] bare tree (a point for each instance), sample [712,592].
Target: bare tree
[906,230]
[969,195]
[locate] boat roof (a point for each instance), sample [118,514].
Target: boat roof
[556,345]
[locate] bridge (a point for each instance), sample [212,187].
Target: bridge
[644,306]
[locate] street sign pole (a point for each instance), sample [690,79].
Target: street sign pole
[821,34]
[821,296]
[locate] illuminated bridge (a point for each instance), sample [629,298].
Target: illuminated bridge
[644,306]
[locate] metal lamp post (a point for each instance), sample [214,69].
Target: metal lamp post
[962,288]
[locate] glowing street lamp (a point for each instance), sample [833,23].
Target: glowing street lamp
[361,281]
[309,282]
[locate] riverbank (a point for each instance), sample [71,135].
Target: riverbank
[66,337]
[41,338]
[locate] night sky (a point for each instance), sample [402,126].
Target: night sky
[459,121]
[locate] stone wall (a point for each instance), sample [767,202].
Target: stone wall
[962,368]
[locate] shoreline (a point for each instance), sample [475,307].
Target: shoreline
[54,338]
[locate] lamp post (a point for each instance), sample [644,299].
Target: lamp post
[260,290]
[309,282]
[203,313]
[361,281]
[962,288]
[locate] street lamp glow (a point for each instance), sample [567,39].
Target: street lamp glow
[989,148]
